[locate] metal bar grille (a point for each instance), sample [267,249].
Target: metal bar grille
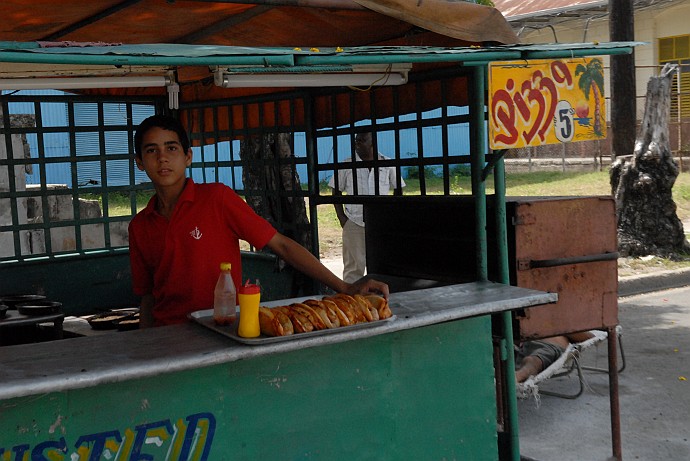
[425,147]
[52,142]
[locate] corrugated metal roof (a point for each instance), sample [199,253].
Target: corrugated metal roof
[519,9]
[543,13]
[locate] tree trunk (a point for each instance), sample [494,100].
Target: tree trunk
[646,213]
[270,181]
[623,101]
[271,184]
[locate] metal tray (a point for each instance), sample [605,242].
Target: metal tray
[205,318]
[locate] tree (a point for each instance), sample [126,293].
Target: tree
[592,80]
[642,183]
[273,187]
[623,101]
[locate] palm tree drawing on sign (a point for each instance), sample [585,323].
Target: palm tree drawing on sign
[592,80]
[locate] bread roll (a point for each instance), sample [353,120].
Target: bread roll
[343,319]
[269,324]
[368,317]
[300,323]
[329,318]
[285,322]
[311,314]
[381,305]
[364,302]
[329,312]
[349,311]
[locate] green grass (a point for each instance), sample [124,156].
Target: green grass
[552,184]
[119,203]
[556,184]
[633,266]
[531,184]
[517,184]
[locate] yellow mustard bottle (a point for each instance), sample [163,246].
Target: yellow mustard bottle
[250,298]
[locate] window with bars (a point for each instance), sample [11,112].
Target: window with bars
[676,50]
[68,184]
[423,129]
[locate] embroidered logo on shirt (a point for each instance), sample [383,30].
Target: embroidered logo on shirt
[196,233]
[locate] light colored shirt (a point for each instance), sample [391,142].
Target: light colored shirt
[365,185]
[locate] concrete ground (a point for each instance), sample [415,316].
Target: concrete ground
[654,392]
[654,387]
[334,264]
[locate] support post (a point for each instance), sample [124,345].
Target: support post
[506,317]
[478,155]
[478,158]
[613,395]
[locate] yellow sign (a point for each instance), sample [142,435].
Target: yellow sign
[539,102]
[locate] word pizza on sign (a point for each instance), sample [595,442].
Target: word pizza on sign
[539,102]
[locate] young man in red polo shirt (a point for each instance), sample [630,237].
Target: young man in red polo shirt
[179,240]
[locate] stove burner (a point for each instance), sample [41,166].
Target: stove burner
[11,301]
[39,308]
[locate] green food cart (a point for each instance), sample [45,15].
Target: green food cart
[421,385]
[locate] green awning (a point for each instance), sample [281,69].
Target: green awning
[209,55]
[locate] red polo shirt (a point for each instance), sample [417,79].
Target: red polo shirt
[178,260]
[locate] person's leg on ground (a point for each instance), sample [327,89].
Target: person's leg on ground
[533,357]
[528,366]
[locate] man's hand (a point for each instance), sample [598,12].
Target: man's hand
[367,286]
[340,213]
[339,209]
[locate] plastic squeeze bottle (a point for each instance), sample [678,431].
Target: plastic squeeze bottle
[250,297]
[224,297]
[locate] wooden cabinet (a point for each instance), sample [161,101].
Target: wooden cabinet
[564,245]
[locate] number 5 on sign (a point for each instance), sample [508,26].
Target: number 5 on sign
[532,103]
[564,129]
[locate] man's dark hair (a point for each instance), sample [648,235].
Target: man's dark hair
[160,121]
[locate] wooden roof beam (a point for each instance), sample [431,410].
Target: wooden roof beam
[87,21]
[223,24]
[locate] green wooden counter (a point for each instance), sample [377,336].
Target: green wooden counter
[419,387]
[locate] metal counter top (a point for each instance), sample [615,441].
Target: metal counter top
[33,369]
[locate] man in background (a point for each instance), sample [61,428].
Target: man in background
[351,216]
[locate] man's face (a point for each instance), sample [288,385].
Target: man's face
[162,157]
[364,146]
